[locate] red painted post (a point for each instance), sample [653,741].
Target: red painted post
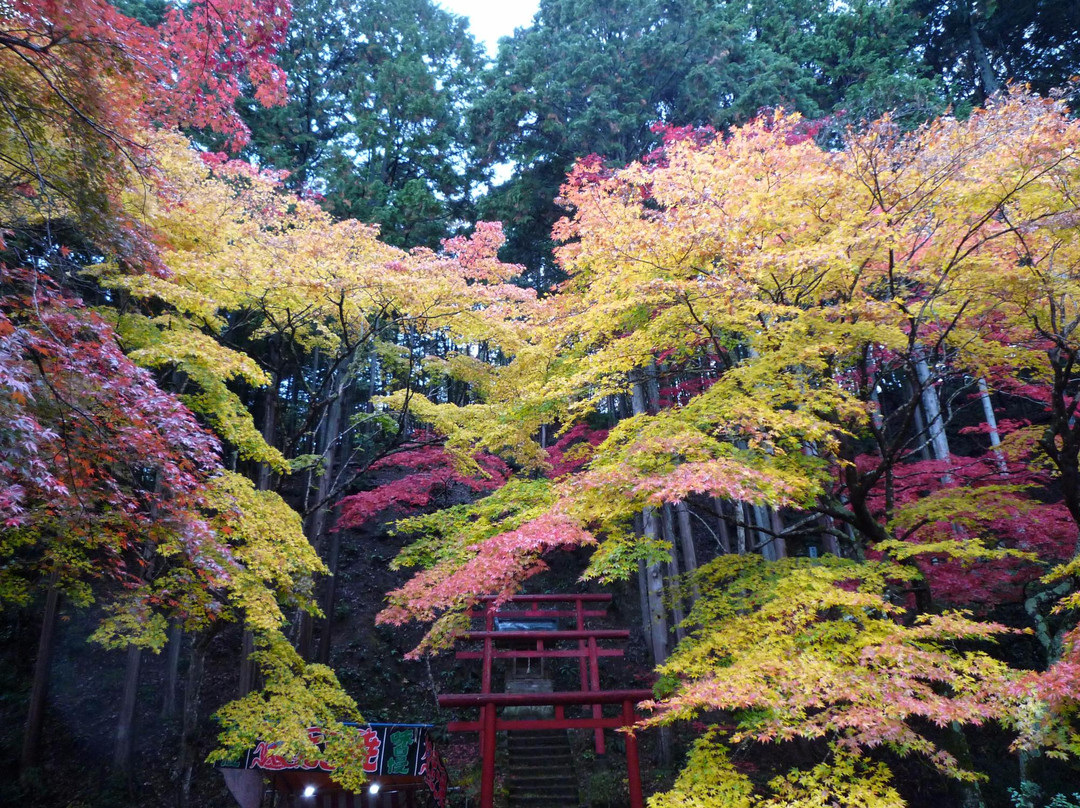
[594,683]
[487,734]
[489,649]
[487,772]
[583,666]
[579,613]
[633,764]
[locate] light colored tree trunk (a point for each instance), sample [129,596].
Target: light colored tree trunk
[778,529]
[988,413]
[740,527]
[675,582]
[654,581]
[643,602]
[992,425]
[923,436]
[656,618]
[759,517]
[686,542]
[939,442]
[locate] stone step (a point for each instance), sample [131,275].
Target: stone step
[563,761]
[541,772]
[559,796]
[532,739]
[558,783]
[523,685]
[537,748]
[542,786]
[527,750]
[528,734]
[539,776]
[542,802]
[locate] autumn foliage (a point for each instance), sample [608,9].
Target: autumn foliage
[855,367]
[829,321]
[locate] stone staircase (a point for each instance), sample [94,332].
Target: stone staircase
[541,769]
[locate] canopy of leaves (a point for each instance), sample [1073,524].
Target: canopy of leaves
[810,288]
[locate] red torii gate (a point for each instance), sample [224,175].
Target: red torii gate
[587,652]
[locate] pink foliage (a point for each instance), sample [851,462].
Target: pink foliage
[477,254]
[499,565]
[724,478]
[1058,686]
[425,472]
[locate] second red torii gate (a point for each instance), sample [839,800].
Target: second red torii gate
[587,652]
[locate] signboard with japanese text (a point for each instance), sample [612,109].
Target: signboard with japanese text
[388,749]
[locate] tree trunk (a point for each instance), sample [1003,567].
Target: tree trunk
[172,669]
[315,523]
[939,442]
[686,542]
[992,425]
[987,78]
[741,510]
[190,722]
[972,792]
[923,437]
[759,517]
[269,428]
[777,522]
[643,602]
[39,689]
[674,571]
[330,599]
[125,723]
[652,387]
[247,664]
[722,526]
[656,619]
[654,581]
[341,451]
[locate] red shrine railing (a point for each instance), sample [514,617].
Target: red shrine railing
[588,652]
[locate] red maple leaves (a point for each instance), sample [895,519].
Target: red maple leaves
[97,459]
[427,472]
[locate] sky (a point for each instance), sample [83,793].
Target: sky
[491,19]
